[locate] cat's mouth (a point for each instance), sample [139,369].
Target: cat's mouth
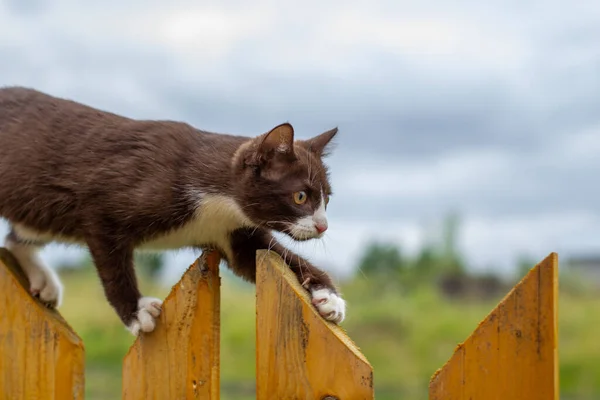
[302,233]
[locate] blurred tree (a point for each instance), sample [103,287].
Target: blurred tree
[151,264]
[440,254]
[427,261]
[381,259]
[524,264]
[439,257]
[452,261]
[450,227]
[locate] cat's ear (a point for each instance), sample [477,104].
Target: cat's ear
[277,145]
[320,145]
[279,140]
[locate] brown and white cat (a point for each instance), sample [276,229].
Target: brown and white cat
[71,173]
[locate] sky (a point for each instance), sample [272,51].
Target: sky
[488,109]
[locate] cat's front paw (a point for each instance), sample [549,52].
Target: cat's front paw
[329,304]
[45,285]
[149,308]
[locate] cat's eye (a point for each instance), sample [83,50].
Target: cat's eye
[300,197]
[327,200]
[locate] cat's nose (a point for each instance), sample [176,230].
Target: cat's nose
[321,226]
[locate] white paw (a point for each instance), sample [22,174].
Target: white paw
[331,306]
[45,285]
[149,308]
[43,281]
[51,292]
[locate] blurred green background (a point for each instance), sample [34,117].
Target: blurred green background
[407,314]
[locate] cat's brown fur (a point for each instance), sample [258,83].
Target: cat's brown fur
[69,172]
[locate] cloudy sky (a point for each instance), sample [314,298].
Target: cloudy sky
[491,109]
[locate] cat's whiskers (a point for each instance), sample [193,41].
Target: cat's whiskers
[323,242]
[310,178]
[260,225]
[256,228]
[303,263]
[303,266]
[250,205]
[285,254]
[269,247]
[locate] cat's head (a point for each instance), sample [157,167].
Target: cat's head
[283,184]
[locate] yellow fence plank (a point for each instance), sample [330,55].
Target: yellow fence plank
[41,357]
[299,354]
[180,358]
[449,380]
[513,352]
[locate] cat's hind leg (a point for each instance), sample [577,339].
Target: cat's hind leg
[43,281]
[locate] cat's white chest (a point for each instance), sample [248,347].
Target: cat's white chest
[215,218]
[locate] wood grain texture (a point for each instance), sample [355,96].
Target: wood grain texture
[41,357]
[299,354]
[180,359]
[513,352]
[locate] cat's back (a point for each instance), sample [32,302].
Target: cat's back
[29,117]
[46,128]
[15,96]
[28,111]
[62,135]
[14,101]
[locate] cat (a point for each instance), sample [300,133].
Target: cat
[71,173]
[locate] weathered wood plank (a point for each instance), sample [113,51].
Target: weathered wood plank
[513,352]
[180,359]
[299,354]
[449,380]
[41,357]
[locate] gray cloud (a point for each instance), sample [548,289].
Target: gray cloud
[441,84]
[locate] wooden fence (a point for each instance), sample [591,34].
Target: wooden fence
[41,357]
[511,355]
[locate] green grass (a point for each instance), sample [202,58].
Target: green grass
[405,336]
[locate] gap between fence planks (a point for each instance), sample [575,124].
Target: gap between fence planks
[180,358]
[298,354]
[41,357]
[513,352]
